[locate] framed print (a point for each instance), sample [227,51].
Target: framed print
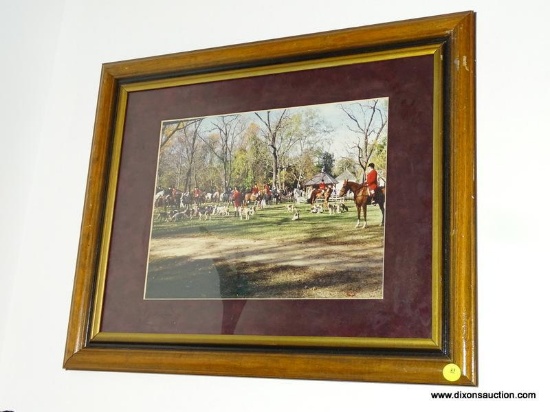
[294,208]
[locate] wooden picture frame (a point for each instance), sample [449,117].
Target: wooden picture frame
[424,328]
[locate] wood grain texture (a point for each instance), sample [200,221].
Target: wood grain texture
[457,33]
[462,253]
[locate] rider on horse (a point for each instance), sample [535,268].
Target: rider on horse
[371,180]
[196,192]
[322,187]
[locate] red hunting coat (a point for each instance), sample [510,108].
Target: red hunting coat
[372,180]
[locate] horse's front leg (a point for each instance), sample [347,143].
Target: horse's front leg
[358,217]
[365,216]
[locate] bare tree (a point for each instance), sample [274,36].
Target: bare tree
[177,151]
[280,131]
[370,122]
[311,142]
[223,137]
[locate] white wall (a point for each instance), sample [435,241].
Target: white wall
[51,55]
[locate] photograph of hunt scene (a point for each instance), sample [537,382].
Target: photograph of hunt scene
[276,204]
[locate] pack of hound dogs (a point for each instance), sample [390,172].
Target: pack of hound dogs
[200,212]
[332,208]
[244,212]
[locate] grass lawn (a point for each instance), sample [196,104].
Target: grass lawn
[268,256]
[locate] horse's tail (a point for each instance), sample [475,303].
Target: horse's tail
[380,195]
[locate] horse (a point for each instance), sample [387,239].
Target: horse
[362,199]
[225,197]
[174,199]
[251,197]
[185,201]
[165,197]
[320,194]
[198,197]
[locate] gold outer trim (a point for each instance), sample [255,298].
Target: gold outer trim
[393,343]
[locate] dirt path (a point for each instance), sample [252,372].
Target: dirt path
[212,267]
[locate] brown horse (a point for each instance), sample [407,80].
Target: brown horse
[362,199]
[320,194]
[252,197]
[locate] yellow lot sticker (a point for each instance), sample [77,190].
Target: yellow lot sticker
[451,372]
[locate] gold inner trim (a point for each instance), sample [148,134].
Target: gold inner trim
[437,205]
[109,212]
[299,341]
